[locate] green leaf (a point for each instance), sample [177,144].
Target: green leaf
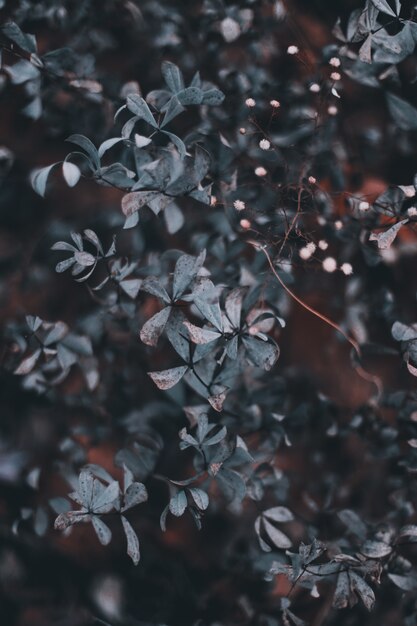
[168,378]
[109,143]
[87,146]
[178,143]
[24,40]
[135,494]
[178,504]
[278,538]
[403,113]
[103,532]
[387,237]
[154,327]
[39,177]
[363,590]
[71,173]
[132,541]
[279,514]
[186,270]
[172,76]
[137,105]
[382,5]
[200,498]
[173,109]
[22,71]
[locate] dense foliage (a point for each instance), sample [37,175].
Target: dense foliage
[208,313]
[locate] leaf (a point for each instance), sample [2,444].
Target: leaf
[172,76]
[201,335]
[178,143]
[153,286]
[214,439]
[376,549]
[141,141]
[154,327]
[168,378]
[342,592]
[138,106]
[278,538]
[406,583]
[353,522]
[131,287]
[279,514]
[190,96]
[200,498]
[213,97]
[386,238]
[109,143]
[56,333]
[27,365]
[22,71]
[262,353]
[233,306]
[205,297]
[365,51]
[103,532]
[163,518]
[173,109]
[85,487]
[84,258]
[91,236]
[104,502]
[403,113]
[135,494]
[34,322]
[134,201]
[402,332]
[363,589]
[230,29]
[25,41]
[132,541]
[178,504]
[39,177]
[87,146]
[174,218]
[408,531]
[231,483]
[382,5]
[186,269]
[71,173]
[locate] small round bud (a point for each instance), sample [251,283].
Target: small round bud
[275,104]
[323,245]
[314,88]
[335,76]
[242,131]
[412,211]
[334,62]
[312,180]
[213,200]
[264,144]
[338,224]
[245,224]
[304,253]
[260,171]
[329,265]
[293,50]
[239,205]
[250,103]
[363,206]
[347,269]
[332,110]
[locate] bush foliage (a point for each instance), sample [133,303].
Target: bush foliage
[208,313]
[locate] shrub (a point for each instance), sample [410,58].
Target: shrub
[208,317]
